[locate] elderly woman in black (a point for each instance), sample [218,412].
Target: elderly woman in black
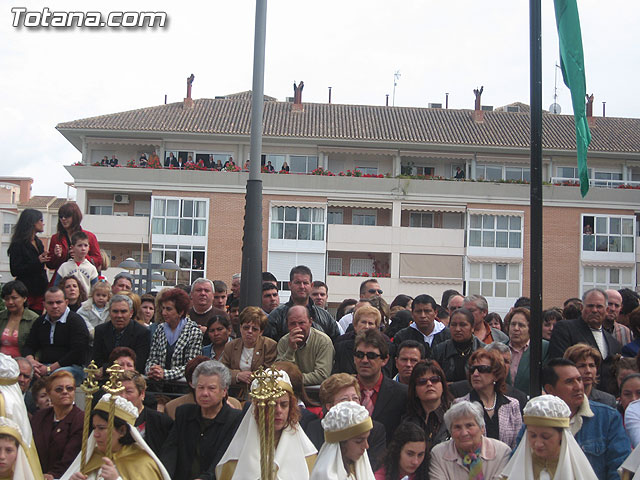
[453,354]
[428,399]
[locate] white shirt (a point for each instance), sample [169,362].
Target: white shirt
[437,328]
[602,345]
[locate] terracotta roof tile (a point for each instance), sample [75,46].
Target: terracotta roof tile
[232,115]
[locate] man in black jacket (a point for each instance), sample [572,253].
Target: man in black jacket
[425,328]
[300,281]
[59,338]
[202,432]
[588,329]
[121,331]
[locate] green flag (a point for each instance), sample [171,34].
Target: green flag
[572,64]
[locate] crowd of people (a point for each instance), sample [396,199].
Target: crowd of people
[415,389]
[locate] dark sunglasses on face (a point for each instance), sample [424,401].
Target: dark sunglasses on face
[61,389]
[370,355]
[480,368]
[375,290]
[62,215]
[433,380]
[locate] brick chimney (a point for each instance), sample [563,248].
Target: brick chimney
[188,101]
[478,113]
[591,120]
[297,97]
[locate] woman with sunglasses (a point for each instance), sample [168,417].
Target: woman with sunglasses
[69,218]
[428,399]
[502,415]
[57,430]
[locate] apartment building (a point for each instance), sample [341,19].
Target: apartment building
[392,208]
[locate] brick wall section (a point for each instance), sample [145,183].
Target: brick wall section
[560,249]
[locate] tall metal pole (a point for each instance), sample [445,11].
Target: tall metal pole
[535,254]
[251,281]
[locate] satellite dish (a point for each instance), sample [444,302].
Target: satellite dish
[555,108]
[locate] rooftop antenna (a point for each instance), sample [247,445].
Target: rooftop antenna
[396,77]
[555,106]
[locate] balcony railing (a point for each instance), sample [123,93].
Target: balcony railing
[595,182]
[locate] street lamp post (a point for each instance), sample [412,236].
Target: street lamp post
[149,276]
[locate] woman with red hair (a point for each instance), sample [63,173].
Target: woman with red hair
[69,218]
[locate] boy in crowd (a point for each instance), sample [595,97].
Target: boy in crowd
[78,265]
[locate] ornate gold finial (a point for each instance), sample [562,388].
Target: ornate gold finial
[265,395]
[89,387]
[113,386]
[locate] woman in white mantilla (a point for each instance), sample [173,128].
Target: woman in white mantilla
[343,456]
[548,450]
[294,453]
[12,406]
[131,456]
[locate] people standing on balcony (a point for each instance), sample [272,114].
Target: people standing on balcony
[27,257]
[169,160]
[114,161]
[105,161]
[285,167]
[460,175]
[69,219]
[269,167]
[218,165]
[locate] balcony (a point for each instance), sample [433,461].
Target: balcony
[117,229]
[623,184]
[351,238]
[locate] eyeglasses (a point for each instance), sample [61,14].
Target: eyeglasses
[62,215]
[433,380]
[375,290]
[61,389]
[480,368]
[370,355]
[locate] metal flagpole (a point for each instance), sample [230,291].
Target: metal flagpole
[535,252]
[251,280]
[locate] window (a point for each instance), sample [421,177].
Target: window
[607,278]
[297,223]
[489,172]
[608,234]
[101,210]
[412,169]
[570,172]
[517,174]
[361,265]
[276,161]
[420,219]
[335,266]
[142,208]
[302,163]
[363,217]
[494,279]
[335,216]
[6,228]
[496,231]
[608,176]
[191,261]
[185,217]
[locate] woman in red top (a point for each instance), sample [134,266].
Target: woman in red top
[69,218]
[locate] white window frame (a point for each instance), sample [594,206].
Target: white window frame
[163,218]
[368,170]
[100,204]
[486,279]
[601,277]
[487,228]
[163,252]
[335,211]
[601,227]
[315,224]
[361,265]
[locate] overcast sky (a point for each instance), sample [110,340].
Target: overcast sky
[56,75]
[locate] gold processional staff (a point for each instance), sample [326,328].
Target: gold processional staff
[90,387]
[265,395]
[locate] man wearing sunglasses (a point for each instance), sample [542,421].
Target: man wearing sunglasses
[385,399]
[368,289]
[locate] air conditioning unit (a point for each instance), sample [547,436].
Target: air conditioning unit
[121,198]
